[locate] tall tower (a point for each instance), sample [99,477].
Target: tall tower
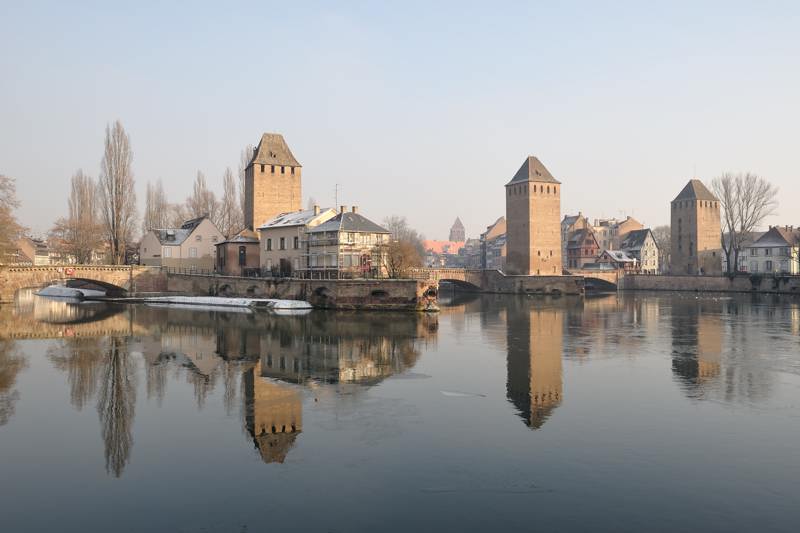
[695,230]
[457,231]
[533,216]
[272,181]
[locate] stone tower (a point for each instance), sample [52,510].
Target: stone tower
[533,216]
[695,231]
[457,232]
[272,182]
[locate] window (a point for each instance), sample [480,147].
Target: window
[283,169]
[282,243]
[272,168]
[767,251]
[193,252]
[296,263]
[262,168]
[768,266]
[214,238]
[269,245]
[242,256]
[296,243]
[292,170]
[167,251]
[221,259]
[198,238]
[753,252]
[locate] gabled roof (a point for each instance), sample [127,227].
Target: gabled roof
[619,256]
[191,224]
[246,236]
[779,236]
[273,150]
[176,236]
[577,237]
[295,218]
[695,190]
[349,222]
[533,170]
[570,220]
[495,230]
[636,239]
[458,224]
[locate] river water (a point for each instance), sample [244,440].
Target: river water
[645,412]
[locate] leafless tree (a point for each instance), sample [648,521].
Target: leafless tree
[230,213]
[202,202]
[116,405]
[663,237]
[117,195]
[11,363]
[401,256]
[244,160]
[401,231]
[10,229]
[746,199]
[156,209]
[177,214]
[80,233]
[82,359]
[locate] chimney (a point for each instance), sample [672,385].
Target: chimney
[342,208]
[355,209]
[316,210]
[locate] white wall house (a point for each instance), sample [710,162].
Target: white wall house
[776,251]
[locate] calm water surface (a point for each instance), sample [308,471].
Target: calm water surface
[617,413]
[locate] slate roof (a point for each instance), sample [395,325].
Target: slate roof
[353,222]
[569,220]
[695,190]
[175,237]
[273,150]
[636,238]
[293,218]
[533,170]
[778,236]
[578,236]
[619,256]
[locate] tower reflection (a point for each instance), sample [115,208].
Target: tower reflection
[696,344]
[535,344]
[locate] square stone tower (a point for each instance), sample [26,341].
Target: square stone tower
[533,216]
[695,230]
[272,181]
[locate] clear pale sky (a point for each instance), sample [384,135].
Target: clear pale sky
[419,109]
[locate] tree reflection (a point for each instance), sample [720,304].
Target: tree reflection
[11,363]
[116,406]
[81,359]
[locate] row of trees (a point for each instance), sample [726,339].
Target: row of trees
[10,228]
[104,211]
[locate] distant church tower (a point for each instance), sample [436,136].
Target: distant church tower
[533,217]
[457,232]
[272,181]
[695,231]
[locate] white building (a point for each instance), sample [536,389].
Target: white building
[776,251]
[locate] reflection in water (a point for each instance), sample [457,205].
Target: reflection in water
[11,363]
[273,415]
[697,344]
[535,339]
[116,405]
[81,358]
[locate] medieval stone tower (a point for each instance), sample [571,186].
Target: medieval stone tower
[533,216]
[457,231]
[695,230]
[272,182]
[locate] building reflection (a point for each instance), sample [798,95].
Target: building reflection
[273,414]
[696,344]
[535,346]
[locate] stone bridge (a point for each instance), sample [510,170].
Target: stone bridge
[132,279]
[599,280]
[495,281]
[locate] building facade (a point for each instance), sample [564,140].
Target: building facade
[642,246]
[494,245]
[348,245]
[611,232]
[272,181]
[191,247]
[533,215]
[238,256]
[775,252]
[582,248]
[695,230]
[569,225]
[283,240]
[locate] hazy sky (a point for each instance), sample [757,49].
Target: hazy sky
[421,109]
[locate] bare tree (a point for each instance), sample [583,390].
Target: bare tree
[663,237]
[401,256]
[80,233]
[117,195]
[202,202]
[244,159]
[746,199]
[156,209]
[401,231]
[12,361]
[177,214]
[230,213]
[10,229]
[116,405]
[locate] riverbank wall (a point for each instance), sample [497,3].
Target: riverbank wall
[765,283]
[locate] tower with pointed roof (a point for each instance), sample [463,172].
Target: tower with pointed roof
[695,231]
[272,181]
[457,232]
[533,218]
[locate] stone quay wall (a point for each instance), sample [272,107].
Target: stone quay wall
[352,294]
[740,283]
[496,282]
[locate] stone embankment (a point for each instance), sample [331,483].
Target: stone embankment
[764,283]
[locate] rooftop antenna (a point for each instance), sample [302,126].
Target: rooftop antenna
[336,195]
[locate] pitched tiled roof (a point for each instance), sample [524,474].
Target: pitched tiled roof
[442,247]
[619,256]
[779,236]
[635,239]
[577,237]
[695,190]
[533,170]
[176,236]
[273,150]
[349,222]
